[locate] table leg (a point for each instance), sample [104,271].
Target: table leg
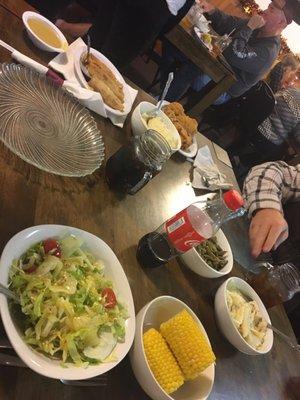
[212,92]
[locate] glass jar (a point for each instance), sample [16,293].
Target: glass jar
[223,42]
[195,13]
[133,165]
[275,284]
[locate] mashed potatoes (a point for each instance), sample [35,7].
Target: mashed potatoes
[158,125]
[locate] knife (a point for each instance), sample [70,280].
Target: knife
[32,64]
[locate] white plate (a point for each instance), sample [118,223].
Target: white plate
[127,96]
[191,151]
[198,34]
[113,270]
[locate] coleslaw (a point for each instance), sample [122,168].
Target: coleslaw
[70,307]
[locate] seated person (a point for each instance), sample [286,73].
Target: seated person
[271,137]
[268,189]
[255,46]
[284,73]
[122,29]
[272,195]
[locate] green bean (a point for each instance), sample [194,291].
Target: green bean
[212,253]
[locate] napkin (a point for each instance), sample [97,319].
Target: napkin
[206,174]
[64,64]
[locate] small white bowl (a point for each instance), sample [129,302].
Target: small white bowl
[196,263]
[151,316]
[226,323]
[113,270]
[139,126]
[37,40]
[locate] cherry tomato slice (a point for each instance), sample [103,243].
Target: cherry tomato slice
[110,298]
[51,246]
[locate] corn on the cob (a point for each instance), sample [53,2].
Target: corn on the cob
[162,362]
[188,344]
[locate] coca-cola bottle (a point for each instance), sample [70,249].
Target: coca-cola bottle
[191,226]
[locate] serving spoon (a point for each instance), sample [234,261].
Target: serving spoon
[284,337]
[154,113]
[84,59]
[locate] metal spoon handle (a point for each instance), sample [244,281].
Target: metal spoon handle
[8,293]
[167,87]
[231,32]
[286,338]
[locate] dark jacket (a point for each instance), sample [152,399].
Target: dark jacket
[250,56]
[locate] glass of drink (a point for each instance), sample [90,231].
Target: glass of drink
[136,163]
[275,284]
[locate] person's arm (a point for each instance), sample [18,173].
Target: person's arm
[296,133]
[265,188]
[223,23]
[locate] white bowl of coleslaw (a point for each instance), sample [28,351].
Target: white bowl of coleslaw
[113,272]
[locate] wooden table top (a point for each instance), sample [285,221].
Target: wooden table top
[120,223]
[183,38]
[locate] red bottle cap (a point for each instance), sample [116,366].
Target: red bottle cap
[233,200]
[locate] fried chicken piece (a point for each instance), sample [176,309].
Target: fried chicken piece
[107,94]
[186,138]
[190,124]
[185,125]
[100,71]
[175,107]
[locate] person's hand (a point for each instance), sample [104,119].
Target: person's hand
[268,227]
[205,5]
[255,22]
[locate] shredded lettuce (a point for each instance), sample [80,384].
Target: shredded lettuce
[62,301]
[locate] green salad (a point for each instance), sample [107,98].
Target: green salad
[70,309]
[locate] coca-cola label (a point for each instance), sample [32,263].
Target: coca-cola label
[181,232]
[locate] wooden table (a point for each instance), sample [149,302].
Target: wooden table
[120,223]
[221,74]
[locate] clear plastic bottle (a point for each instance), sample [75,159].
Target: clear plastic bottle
[188,228]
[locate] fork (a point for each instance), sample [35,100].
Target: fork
[15,361]
[10,360]
[101,380]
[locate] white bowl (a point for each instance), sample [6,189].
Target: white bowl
[139,126]
[127,95]
[226,323]
[114,271]
[151,316]
[196,263]
[39,42]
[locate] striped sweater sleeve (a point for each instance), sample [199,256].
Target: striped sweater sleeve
[271,184]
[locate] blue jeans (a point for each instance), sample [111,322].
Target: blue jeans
[186,76]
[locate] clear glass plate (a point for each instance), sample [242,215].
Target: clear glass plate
[45,126]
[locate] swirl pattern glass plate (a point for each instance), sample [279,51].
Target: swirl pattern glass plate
[45,126]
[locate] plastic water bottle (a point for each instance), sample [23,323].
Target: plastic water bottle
[188,228]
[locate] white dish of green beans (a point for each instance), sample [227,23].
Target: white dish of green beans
[213,259]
